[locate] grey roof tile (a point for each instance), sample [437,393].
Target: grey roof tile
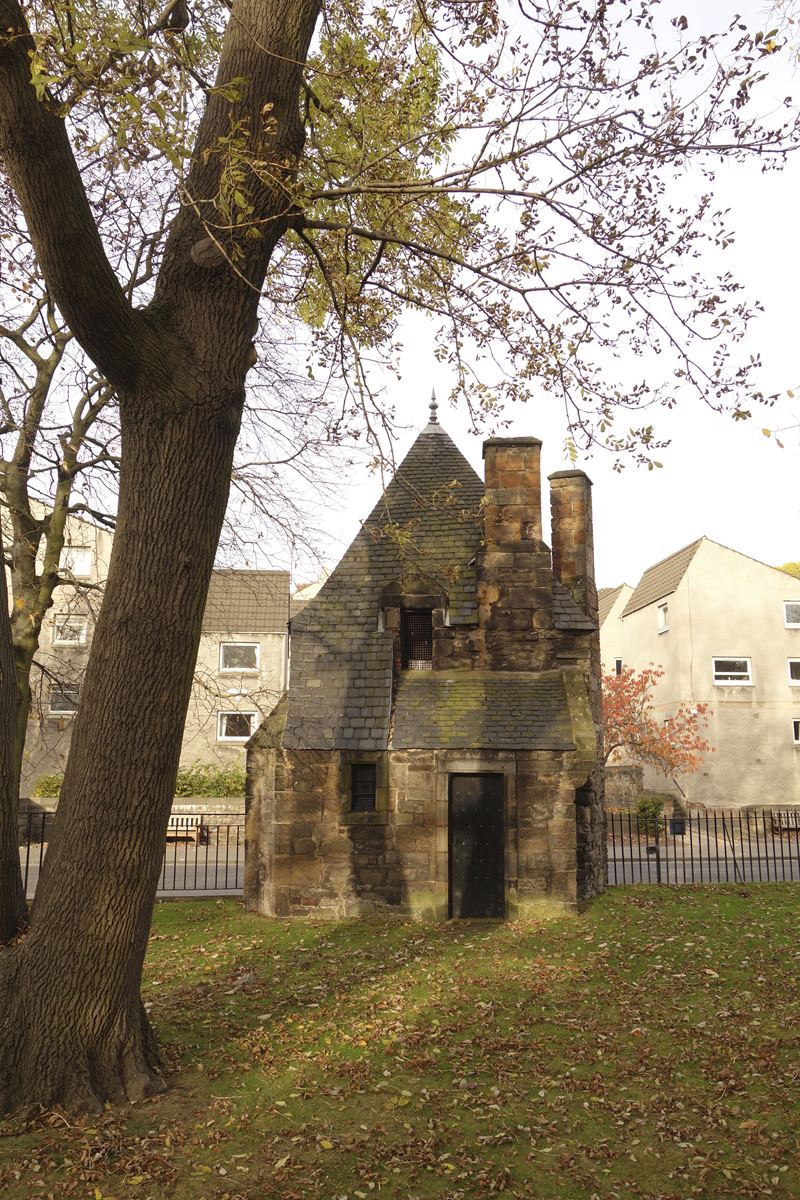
[336,637]
[661,579]
[247,602]
[566,613]
[471,710]
[606,599]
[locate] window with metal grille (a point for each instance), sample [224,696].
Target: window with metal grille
[362,787]
[416,638]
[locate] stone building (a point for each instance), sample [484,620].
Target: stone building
[436,753]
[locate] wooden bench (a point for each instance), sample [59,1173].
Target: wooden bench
[187,829]
[786,822]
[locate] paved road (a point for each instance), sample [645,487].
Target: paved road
[701,858]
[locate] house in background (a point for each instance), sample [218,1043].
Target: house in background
[242,663]
[611,605]
[64,644]
[241,666]
[726,630]
[436,753]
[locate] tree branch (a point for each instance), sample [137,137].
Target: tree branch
[38,157]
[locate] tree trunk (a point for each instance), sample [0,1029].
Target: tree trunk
[76,976]
[72,1026]
[13,909]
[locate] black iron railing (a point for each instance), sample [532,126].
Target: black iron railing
[705,847]
[204,852]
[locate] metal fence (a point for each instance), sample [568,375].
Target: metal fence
[704,847]
[204,853]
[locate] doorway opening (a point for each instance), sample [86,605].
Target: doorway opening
[476,843]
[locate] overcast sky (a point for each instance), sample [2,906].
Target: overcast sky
[720,478]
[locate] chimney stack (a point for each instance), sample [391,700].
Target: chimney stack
[573,537]
[513,490]
[515,599]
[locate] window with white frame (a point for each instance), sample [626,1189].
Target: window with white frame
[731,672]
[235,726]
[796,732]
[794,671]
[69,631]
[617,666]
[663,617]
[791,614]
[64,700]
[238,656]
[77,560]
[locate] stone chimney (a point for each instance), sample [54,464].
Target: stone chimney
[515,599]
[573,566]
[573,537]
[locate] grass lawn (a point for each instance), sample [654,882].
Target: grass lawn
[648,1047]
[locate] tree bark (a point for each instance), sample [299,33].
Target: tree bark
[13,909]
[72,1027]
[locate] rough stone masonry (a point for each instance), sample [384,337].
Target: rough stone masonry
[449,645]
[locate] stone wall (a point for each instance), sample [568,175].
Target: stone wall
[624,785]
[307,855]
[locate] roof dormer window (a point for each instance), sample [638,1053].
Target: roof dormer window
[416,639]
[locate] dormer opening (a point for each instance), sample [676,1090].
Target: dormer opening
[416,639]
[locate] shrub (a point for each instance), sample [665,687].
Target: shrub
[48,785]
[210,779]
[650,804]
[649,808]
[200,779]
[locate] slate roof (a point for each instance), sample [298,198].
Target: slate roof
[247,602]
[606,599]
[661,579]
[476,709]
[341,672]
[567,614]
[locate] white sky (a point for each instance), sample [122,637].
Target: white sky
[720,478]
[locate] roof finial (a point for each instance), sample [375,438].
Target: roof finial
[434,407]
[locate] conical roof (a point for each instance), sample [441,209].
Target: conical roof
[341,671]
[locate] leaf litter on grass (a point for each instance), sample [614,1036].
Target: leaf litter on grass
[648,1047]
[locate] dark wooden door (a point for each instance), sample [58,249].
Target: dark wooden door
[477,846]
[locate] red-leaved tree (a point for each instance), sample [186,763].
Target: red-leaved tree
[632,730]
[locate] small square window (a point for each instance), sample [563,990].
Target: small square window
[64,700]
[729,672]
[362,787]
[239,656]
[235,726]
[791,614]
[796,732]
[617,666]
[794,672]
[77,561]
[663,618]
[69,631]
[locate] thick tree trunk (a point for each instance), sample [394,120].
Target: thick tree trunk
[75,977]
[13,910]
[72,1027]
